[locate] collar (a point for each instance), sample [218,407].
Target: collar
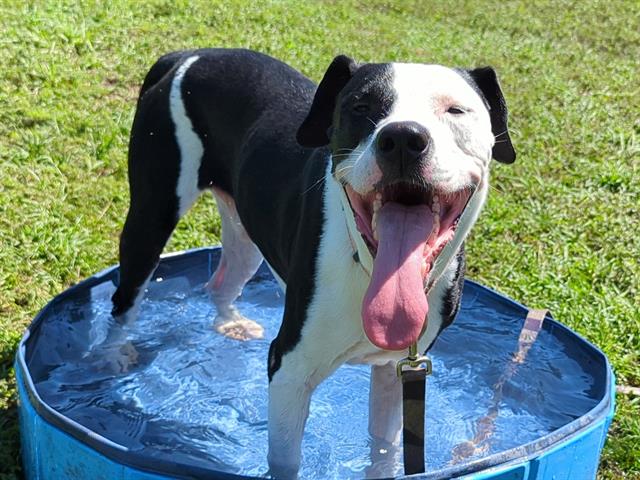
[361,254]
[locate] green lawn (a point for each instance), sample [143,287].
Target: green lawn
[561,227]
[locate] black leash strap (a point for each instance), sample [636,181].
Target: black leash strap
[413,372]
[413,396]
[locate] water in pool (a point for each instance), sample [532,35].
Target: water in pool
[203,397]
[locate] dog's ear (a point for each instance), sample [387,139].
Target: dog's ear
[487,81]
[313,131]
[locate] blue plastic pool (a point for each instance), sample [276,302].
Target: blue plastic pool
[187,408]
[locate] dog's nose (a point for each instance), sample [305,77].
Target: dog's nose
[402,144]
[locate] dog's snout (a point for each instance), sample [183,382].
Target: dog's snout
[402,145]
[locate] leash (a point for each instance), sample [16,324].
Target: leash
[485,426]
[413,372]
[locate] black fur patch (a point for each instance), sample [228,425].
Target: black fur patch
[453,295]
[485,82]
[365,100]
[245,108]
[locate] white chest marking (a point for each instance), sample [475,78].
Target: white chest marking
[334,315]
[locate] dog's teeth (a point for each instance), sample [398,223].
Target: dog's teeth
[377,203]
[435,206]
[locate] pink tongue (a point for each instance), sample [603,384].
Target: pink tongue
[395,307]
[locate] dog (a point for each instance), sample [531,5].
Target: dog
[358,193]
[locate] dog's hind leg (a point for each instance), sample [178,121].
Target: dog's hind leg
[239,261]
[165,155]
[146,230]
[164,159]
[144,235]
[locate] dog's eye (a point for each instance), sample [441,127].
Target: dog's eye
[455,111]
[361,108]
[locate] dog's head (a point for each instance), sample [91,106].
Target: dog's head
[411,146]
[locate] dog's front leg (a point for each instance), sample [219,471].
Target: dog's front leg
[289,398]
[385,420]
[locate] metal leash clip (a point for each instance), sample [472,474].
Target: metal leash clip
[414,362]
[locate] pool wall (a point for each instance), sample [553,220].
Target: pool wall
[56,447]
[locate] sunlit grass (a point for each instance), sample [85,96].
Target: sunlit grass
[560,229]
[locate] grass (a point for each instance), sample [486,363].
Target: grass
[560,229]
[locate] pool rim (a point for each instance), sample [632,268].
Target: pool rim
[134,459]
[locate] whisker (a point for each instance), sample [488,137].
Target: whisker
[315,184]
[342,173]
[360,154]
[348,150]
[346,166]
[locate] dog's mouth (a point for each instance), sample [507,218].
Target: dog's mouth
[405,227]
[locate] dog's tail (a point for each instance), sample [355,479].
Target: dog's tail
[162,67]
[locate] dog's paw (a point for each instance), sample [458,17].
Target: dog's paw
[236,326]
[120,359]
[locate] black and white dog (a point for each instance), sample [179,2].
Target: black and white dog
[358,194]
